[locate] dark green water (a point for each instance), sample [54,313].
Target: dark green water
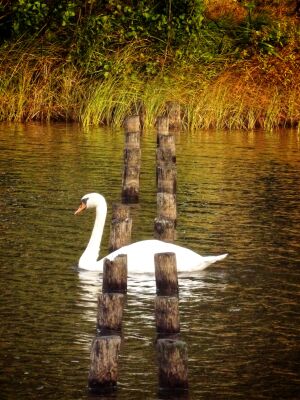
[238,192]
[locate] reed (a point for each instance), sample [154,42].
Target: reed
[41,84]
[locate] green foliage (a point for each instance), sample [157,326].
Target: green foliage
[259,32]
[26,17]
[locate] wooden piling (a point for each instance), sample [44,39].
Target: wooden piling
[174,114]
[166,179]
[103,372]
[167,315]
[166,206]
[132,160]
[164,229]
[115,275]
[162,126]
[166,274]
[172,364]
[121,225]
[110,312]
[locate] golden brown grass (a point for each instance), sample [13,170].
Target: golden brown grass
[259,93]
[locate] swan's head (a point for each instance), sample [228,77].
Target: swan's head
[91,200]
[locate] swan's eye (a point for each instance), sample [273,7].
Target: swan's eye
[84,201]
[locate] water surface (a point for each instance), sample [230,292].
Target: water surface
[238,192]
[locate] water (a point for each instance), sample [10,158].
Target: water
[238,192]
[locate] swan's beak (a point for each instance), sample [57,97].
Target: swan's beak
[82,207]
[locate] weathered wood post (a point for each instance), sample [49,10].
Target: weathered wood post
[174,114]
[120,230]
[132,160]
[172,360]
[172,353]
[166,274]
[103,374]
[115,275]
[166,178]
[110,312]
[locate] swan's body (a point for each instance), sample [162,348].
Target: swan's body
[140,255]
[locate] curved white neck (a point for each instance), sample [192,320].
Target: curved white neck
[91,253]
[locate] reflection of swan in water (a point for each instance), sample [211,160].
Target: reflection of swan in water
[140,255]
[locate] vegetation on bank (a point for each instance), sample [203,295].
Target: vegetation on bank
[228,63]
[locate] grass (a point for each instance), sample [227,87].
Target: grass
[38,83]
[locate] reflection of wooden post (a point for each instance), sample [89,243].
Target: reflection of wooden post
[132,160]
[103,373]
[120,232]
[172,364]
[110,312]
[115,275]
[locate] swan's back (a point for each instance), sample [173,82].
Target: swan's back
[140,256]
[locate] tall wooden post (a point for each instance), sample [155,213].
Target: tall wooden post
[166,178]
[132,160]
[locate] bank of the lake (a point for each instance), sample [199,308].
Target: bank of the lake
[227,64]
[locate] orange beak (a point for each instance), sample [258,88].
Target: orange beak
[81,208]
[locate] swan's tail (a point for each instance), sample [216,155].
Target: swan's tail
[221,257]
[212,259]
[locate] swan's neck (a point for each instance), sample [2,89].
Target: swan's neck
[91,253]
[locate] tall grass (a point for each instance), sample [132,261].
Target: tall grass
[40,84]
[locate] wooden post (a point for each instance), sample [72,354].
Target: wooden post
[110,312]
[172,364]
[120,231]
[167,315]
[166,274]
[166,206]
[166,178]
[115,275]
[165,223]
[132,160]
[162,126]
[174,114]
[103,372]
[164,229]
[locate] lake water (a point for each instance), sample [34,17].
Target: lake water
[238,192]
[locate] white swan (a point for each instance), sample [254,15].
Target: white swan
[140,255]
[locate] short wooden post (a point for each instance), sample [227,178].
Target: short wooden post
[174,114]
[172,364]
[115,275]
[166,206]
[103,372]
[132,160]
[166,274]
[110,312]
[167,315]
[166,178]
[120,231]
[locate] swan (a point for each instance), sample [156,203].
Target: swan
[140,255]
